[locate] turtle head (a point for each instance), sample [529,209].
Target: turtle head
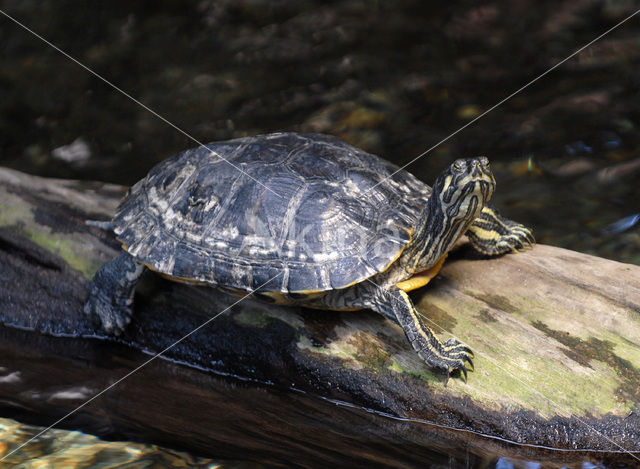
[464,187]
[457,198]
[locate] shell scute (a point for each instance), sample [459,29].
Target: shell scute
[188,263]
[336,216]
[313,163]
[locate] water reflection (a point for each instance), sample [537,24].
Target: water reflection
[71,449]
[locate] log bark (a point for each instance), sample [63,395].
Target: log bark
[556,335]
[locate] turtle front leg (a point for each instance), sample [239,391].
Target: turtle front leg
[112,292]
[492,234]
[396,305]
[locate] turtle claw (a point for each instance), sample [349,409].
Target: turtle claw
[464,372]
[471,363]
[518,239]
[455,355]
[523,235]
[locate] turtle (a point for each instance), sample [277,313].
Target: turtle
[307,220]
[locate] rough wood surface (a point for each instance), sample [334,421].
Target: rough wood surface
[556,336]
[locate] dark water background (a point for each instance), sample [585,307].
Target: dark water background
[393,78]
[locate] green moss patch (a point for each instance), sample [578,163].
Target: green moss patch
[342,350]
[64,247]
[369,352]
[583,351]
[17,216]
[252,317]
[399,364]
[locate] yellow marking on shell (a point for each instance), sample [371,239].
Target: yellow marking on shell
[308,293]
[175,278]
[421,278]
[188,281]
[280,298]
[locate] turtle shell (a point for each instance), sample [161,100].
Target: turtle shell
[304,208]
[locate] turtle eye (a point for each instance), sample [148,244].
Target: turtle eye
[484,161]
[456,166]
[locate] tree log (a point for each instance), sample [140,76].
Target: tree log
[556,336]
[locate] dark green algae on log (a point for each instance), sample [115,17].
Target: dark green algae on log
[556,333]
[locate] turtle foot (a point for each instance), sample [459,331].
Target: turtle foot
[455,357]
[449,358]
[114,312]
[114,316]
[518,237]
[492,234]
[111,295]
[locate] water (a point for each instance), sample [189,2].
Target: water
[72,449]
[392,78]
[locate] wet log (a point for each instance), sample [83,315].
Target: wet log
[556,335]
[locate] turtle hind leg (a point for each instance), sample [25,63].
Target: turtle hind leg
[447,357]
[492,234]
[111,295]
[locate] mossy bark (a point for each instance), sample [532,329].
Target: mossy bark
[556,333]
